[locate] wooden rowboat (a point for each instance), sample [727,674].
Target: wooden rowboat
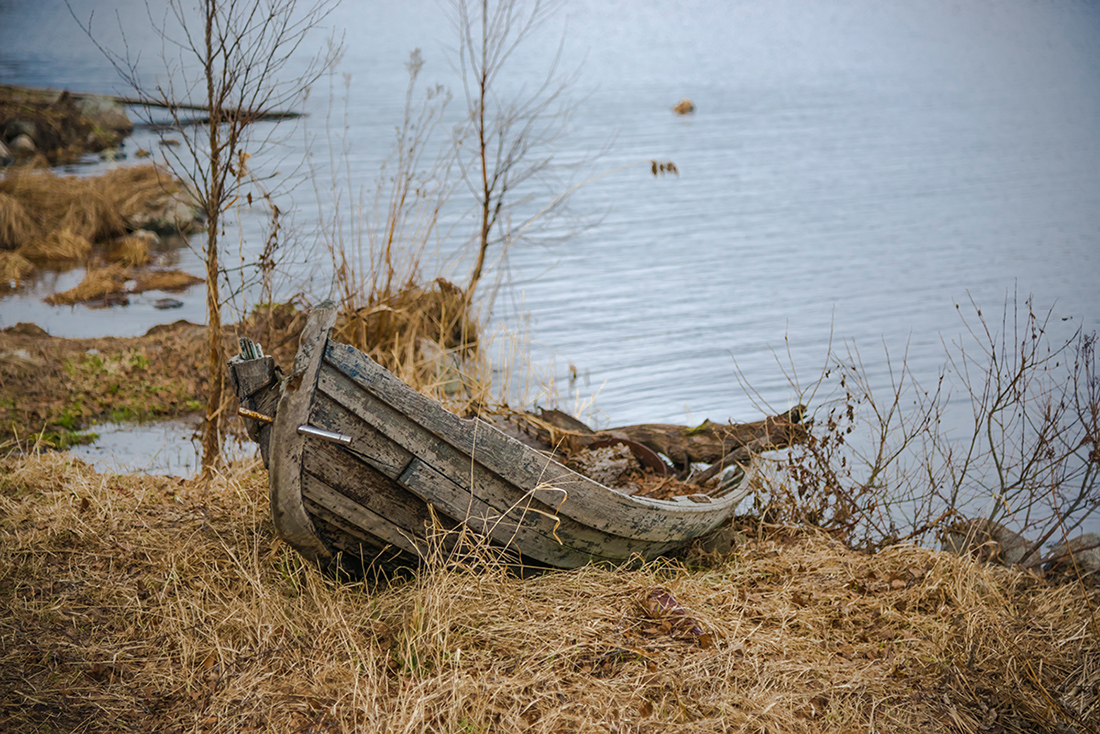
[363,468]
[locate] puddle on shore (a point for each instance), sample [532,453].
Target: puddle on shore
[162,447]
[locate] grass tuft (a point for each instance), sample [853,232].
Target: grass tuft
[130,251]
[59,246]
[16,226]
[98,283]
[164,280]
[14,268]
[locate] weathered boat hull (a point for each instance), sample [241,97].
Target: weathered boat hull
[363,467]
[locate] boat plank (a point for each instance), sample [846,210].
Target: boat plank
[360,482]
[510,529]
[540,528]
[588,502]
[373,524]
[346,536]
[372,446]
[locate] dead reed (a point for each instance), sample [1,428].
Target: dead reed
[14,268]
[159,605]
[16,226]
[130,251]
[59,246]
[98,283]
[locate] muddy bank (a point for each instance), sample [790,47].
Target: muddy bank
[54,391]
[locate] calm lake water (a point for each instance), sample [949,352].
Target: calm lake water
[853,171]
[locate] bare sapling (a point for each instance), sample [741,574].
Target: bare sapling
[889,460]
[232,60]
[503,146]
[1031,455]
[858,473]
[382,242]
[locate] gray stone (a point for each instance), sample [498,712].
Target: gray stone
[23,145]
[105,113]
[15,128]
[1080,556]
[986,540]
[170,214]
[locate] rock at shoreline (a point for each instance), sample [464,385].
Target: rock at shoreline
[61,126]
[105,113]
[987,541]
[170,212]
[1079,557]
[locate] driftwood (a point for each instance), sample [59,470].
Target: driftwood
[240,113]
[717,444]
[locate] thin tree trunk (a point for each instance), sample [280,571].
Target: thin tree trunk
[486,192]
[212,424]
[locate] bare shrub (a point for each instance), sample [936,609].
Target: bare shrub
[884,463]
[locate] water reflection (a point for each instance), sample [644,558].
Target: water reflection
[157,447]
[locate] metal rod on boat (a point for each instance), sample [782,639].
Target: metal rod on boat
[326,435]
[255,416]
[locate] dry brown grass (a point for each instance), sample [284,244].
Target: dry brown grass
[130,251]
[164,280]
[98,283]
[82,205]
[14,268]
[157,605]
[425,335]
[16,226]
[59,246]
[130,189]
[112,279]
